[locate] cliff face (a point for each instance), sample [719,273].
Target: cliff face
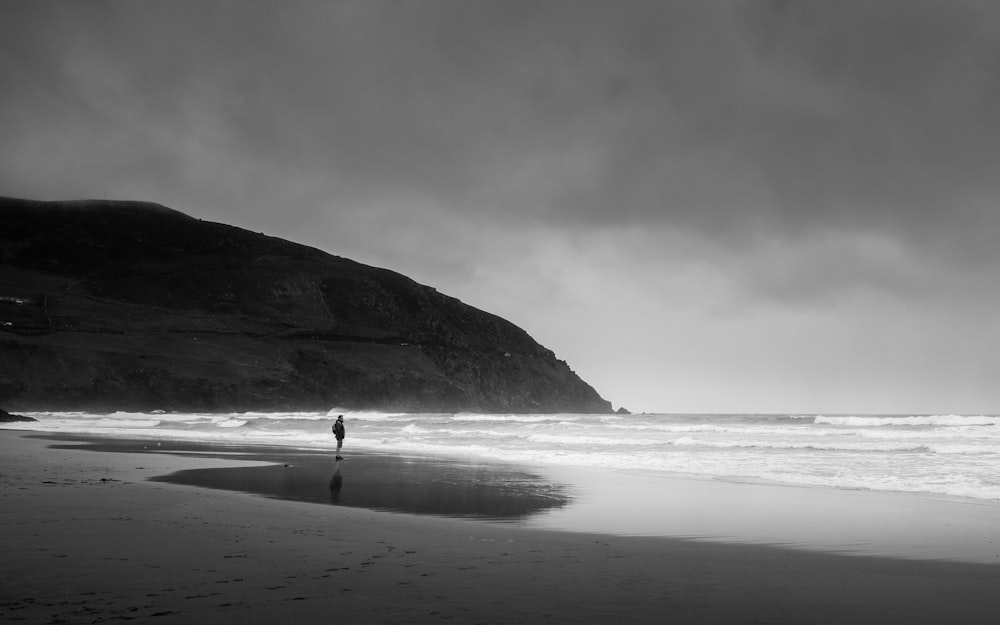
[127,305]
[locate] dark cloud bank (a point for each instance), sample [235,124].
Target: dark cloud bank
[749,182]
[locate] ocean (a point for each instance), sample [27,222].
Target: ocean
[943,455]
[905,486]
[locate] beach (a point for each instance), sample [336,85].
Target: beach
[89,537]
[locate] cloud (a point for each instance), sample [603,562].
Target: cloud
[676,169]
[691,113]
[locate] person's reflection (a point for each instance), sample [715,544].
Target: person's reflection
[336,483]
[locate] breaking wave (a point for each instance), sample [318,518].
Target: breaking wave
[943,454]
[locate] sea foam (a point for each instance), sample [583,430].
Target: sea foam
[953,455]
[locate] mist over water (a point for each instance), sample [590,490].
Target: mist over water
[953,455]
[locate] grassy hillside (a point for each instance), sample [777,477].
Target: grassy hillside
[129,305]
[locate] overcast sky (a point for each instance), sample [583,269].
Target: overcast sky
[741,206]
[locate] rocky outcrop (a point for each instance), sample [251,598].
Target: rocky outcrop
[127,305]
[6,417]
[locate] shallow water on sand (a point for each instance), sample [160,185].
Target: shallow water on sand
[853,522]
[392,483]
[603,501]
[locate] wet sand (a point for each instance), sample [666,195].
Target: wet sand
[88,537]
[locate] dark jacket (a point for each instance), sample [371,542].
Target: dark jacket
[338,429]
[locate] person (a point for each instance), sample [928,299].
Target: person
[338,431]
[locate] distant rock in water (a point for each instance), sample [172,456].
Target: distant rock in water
[6,417]
[134,306]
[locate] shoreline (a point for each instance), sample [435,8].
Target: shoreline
[913,526]
[593,500]
[87,536]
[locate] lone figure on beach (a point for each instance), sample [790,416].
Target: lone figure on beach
[338,431]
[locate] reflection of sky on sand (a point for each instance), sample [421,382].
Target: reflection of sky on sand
[602,501]
[391,483]
[410,484]
[854,522]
